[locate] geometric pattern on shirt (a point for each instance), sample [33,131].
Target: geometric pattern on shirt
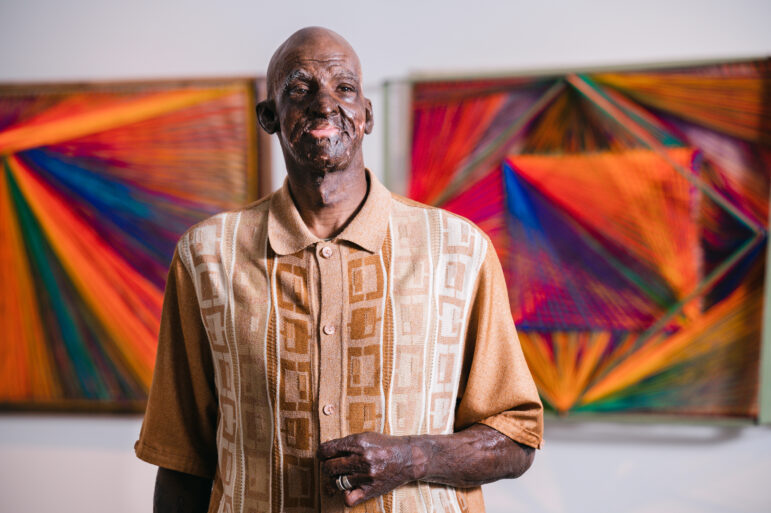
[436,258]
[202,252]
[295,399]
[256,415]
[364,406]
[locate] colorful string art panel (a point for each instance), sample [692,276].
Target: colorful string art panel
[630,213]
[97,183]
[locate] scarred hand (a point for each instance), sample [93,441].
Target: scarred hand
[374,463]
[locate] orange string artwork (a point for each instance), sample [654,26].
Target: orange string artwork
[96,185]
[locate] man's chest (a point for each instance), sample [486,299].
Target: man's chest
[362,341]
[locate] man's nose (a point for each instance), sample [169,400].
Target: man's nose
[324,103]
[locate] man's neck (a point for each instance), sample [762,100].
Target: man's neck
[328,203]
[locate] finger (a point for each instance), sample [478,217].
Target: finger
[343,465]
[338,447]
[353,497]
[359,480]
[356,481]
[329,449]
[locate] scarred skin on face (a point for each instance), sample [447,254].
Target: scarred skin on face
[315,79]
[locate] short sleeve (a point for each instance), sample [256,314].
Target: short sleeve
[180,423]
[497,388]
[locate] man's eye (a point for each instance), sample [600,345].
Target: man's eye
[298,90]
[346,89]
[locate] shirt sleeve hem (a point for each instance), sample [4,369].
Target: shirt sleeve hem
[513,431]
[172,461]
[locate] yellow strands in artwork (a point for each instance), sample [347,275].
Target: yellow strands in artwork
[576,355]
[716,327]
[35,133]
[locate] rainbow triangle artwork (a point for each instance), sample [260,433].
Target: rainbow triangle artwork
[630,214]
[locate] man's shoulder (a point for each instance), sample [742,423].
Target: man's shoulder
[408,207]
[210,230]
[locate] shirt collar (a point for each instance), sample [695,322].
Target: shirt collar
[288,234]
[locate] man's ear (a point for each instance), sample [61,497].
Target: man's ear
[369,120]
[267,117]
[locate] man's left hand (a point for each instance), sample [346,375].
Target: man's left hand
[374,463]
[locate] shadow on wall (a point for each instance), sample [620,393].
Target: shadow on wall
[638,433]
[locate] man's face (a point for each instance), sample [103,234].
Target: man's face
[321,113]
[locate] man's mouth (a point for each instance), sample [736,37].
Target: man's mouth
[324,130]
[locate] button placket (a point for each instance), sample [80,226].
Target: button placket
[329,317]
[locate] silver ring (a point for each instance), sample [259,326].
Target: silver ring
[343,483]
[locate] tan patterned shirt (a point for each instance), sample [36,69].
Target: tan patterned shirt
[273,341]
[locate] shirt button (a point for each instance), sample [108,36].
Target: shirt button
[326,252]
[328,409]
[329,329]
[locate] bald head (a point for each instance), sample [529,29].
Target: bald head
[309,43]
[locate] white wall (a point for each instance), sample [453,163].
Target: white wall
[85,464]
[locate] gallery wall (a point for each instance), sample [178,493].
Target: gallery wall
[85,463]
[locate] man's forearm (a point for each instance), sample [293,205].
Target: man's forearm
[472,457]
[177,492]
[374,463]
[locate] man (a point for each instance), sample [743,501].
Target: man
[333,344]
